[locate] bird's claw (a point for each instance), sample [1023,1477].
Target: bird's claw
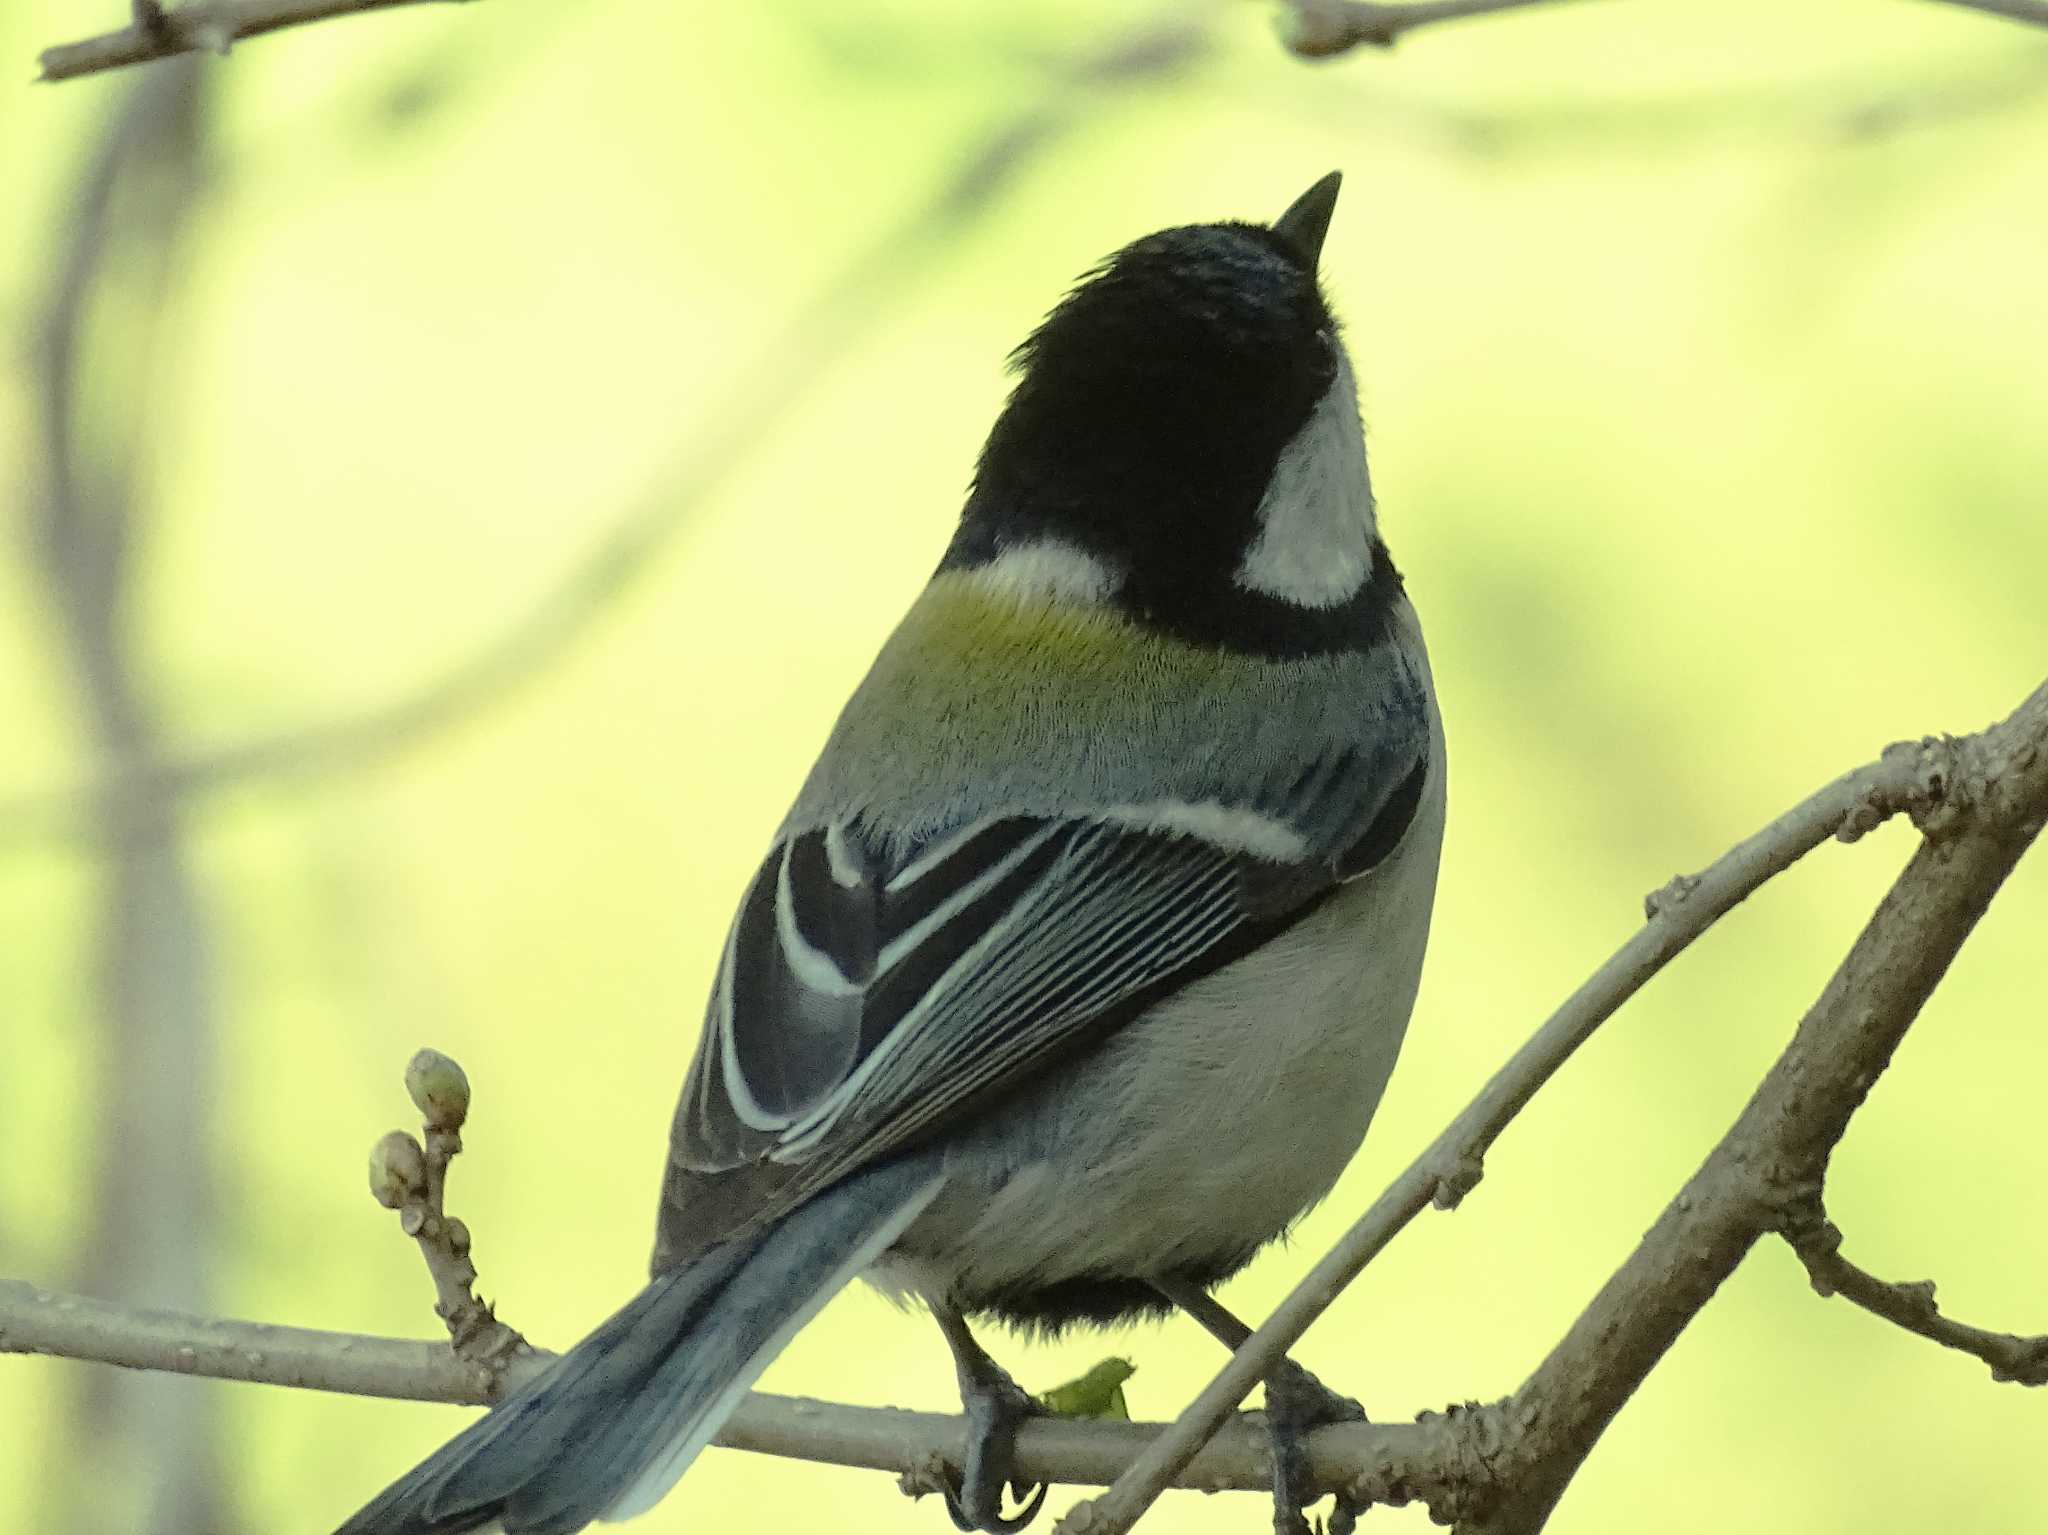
[993,1522]
[995,1406]
[1296,1405]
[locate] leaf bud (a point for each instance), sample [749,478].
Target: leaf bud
[439,1090]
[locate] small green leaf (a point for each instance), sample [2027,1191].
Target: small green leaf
[1098,1394]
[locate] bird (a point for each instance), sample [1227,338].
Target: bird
[1077,970]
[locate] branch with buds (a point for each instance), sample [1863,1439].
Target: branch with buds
[1495,1469]
[413,1180]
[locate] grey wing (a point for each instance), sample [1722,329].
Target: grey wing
[863,1002]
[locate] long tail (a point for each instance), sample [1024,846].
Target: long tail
[611,1425]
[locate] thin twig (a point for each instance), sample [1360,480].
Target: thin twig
[1818,1244]
[207,26]
[413,1180]
[1678,914]
[1321,29]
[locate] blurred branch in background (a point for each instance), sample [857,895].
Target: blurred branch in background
[1321,29]
[850,306]
[137,1457]
[846,309]
[1842,109]
[2032,12]
[1496,1469]
[1313,29]
[208,26]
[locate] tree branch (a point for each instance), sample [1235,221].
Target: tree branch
[37,1321]
[1818,1243]
[207,26]
[1494,1470]
[1679,913]
[1091,1451]
[1991,797]
[1321,29]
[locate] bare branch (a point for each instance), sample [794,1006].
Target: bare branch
[208,26]
[1905,777]
[36,1321]
[2031,12]
[1818,1243]
[1092,1451]
[1766,1172]
[1321,29]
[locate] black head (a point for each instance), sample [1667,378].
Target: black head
[1152,409]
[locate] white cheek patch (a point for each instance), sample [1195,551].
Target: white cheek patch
[1314,547]
[1047,568]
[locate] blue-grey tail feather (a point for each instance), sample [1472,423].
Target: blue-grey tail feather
[609,1426]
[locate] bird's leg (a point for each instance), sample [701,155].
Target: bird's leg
[1296,1405]
[995,1405]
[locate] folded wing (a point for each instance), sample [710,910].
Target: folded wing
[866,1000]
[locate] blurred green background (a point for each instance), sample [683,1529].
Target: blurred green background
[524,422]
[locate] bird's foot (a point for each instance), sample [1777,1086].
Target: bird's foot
[1296,1405]
[995,1406]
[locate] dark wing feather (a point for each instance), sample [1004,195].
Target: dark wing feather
[865,1001]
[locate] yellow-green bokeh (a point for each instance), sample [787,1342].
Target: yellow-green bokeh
[1702,354]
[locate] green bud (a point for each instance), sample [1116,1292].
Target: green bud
[439,1090]
[398,1169]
